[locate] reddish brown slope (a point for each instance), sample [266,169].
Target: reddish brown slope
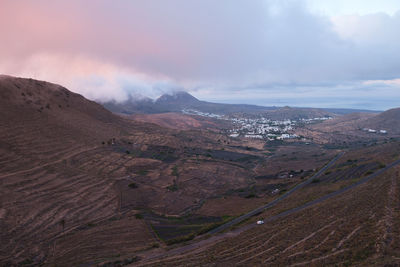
[55,173]
[179,121]
[351,127]
[46,134]
[388,120]
[32,102]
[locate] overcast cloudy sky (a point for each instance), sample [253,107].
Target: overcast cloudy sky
[319,53]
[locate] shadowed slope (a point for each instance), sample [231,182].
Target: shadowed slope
[66,166]
[45,130]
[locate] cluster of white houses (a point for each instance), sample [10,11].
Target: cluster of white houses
[374,131]
[267,129]
[204,114]
[261,127]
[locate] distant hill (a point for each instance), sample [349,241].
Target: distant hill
[343,111]
[388,120]
[181,121]
[176,102]
[179,101]
[297,113]
[355,127]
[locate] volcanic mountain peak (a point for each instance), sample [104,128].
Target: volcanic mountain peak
[177,97]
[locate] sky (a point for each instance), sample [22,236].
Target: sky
[315,53]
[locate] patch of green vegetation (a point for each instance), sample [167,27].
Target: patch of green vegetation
[368,173]
[26,262]
[226,218]
[155,245]
[181,229]
[121,262]
[181,239]
[200,231]
[328,172]
[175,171]
[315,180]
[173,187]
[115,218]
[205,229]
[133,185]
[138,216]
[142,172]
[128,152]
[284,190]
[251,195]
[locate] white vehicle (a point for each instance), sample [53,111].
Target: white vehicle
[260,222]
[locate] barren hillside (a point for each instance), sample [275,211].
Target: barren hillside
[354,127]
[74,175]
[388,120]
[180,121]
[80,185]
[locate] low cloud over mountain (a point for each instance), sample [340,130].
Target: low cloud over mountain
[264,50]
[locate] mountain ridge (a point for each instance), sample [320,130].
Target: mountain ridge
[181,100]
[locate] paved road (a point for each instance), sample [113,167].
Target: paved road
[319,200]
[276,201]
[202,244]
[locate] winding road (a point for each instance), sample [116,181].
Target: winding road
[276,201]
[203,244]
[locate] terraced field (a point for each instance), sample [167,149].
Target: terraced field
[359,227]
[83,186]
[75,178]
[57,178]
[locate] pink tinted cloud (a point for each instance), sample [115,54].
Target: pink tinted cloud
[182,39]
[218,44]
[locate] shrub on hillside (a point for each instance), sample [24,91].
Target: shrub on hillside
[133,185]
